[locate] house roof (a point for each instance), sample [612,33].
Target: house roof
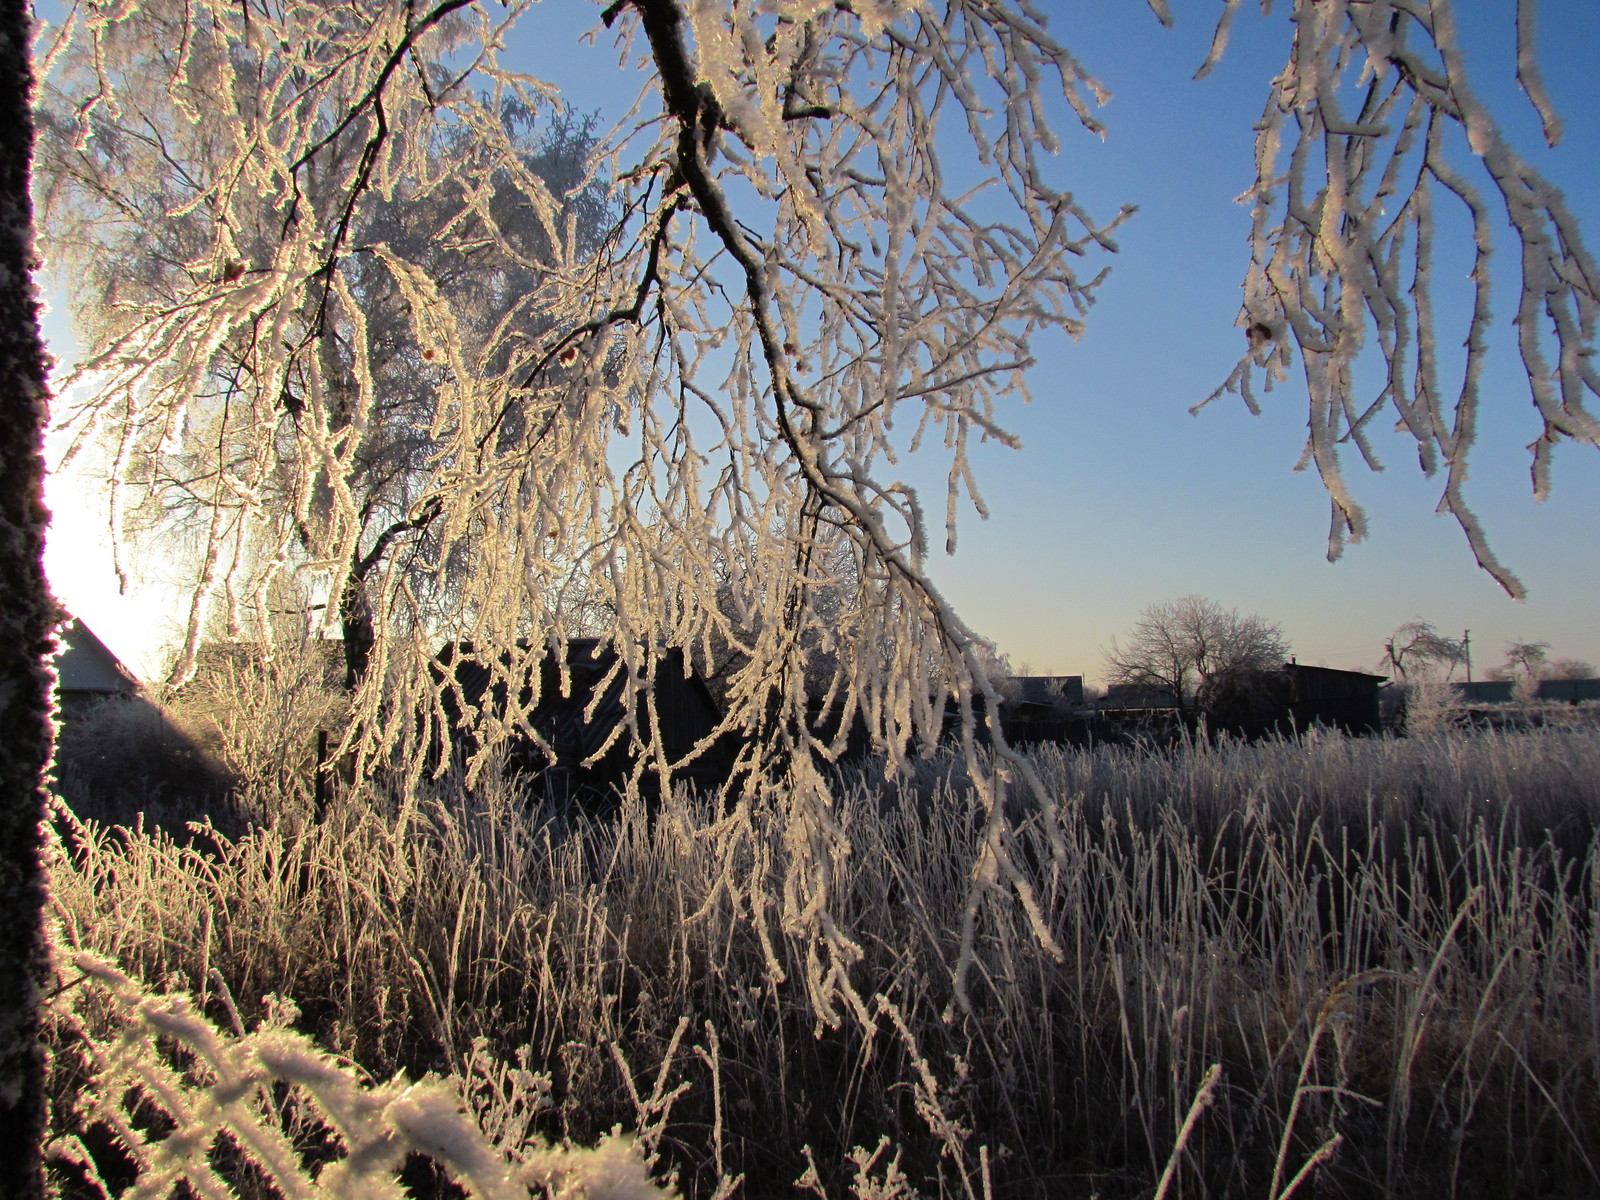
[85,665]
[1050,690]
[1330,672]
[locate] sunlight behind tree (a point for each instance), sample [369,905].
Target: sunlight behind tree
[833,235]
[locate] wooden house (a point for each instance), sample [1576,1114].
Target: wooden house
[1133,697]
[1047,691]
[1042,708]
[1569,691]
[88,672]
[1345,700]
[1296,698]
[1483,691]
[1549,691]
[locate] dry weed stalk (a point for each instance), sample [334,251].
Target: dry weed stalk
[1385,947]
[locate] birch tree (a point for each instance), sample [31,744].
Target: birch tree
[1371,131]
[838,232]
[111,201]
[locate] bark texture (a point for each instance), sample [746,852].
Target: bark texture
[27,618]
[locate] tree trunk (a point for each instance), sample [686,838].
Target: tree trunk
[27,617]
[356,624]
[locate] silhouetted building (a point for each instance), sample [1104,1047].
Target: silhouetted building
[1293,699]
[88,671]
[1050,691]
[1132,696]
[573,735]
[1549,691]
[1346,700]
[1569,691]
[1042,708]
[1484,691]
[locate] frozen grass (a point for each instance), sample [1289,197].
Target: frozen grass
[194,1109]
[1387,947]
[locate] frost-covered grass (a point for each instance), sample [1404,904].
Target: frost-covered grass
[192,1108]
[1387,946]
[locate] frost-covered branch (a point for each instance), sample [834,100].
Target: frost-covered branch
[1360,139]
[465,369]
[462,392]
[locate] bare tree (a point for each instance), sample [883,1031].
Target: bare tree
[1191,647]
[1422,697]
[1526,663]
[1570,668]
[1524,660]
[1418,646]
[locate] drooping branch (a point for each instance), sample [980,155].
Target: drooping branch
[1337,231]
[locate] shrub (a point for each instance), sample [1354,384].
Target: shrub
[125,756]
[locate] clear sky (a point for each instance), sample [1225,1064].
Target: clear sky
[1120,498]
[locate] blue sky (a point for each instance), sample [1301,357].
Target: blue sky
[1120,498]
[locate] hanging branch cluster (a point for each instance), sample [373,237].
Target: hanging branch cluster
[345,314]
[1356,147]
[398,338]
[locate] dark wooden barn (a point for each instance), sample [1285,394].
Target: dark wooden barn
[1296,698]
[1484,691]
[1550,691]
[1346,700]
[574,740]
[1569,691]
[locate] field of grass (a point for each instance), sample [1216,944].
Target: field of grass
[1329,968]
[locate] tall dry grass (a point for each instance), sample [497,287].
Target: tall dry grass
[1385,947]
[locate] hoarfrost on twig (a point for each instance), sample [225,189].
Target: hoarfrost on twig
[1343,244]
[463,369]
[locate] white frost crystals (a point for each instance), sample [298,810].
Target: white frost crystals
[503,380]
[1378,122]
[457,396]
[450,365]
[156,1056]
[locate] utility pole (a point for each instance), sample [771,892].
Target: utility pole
[1466,650]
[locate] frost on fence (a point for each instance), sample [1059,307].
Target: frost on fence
[180,1096]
